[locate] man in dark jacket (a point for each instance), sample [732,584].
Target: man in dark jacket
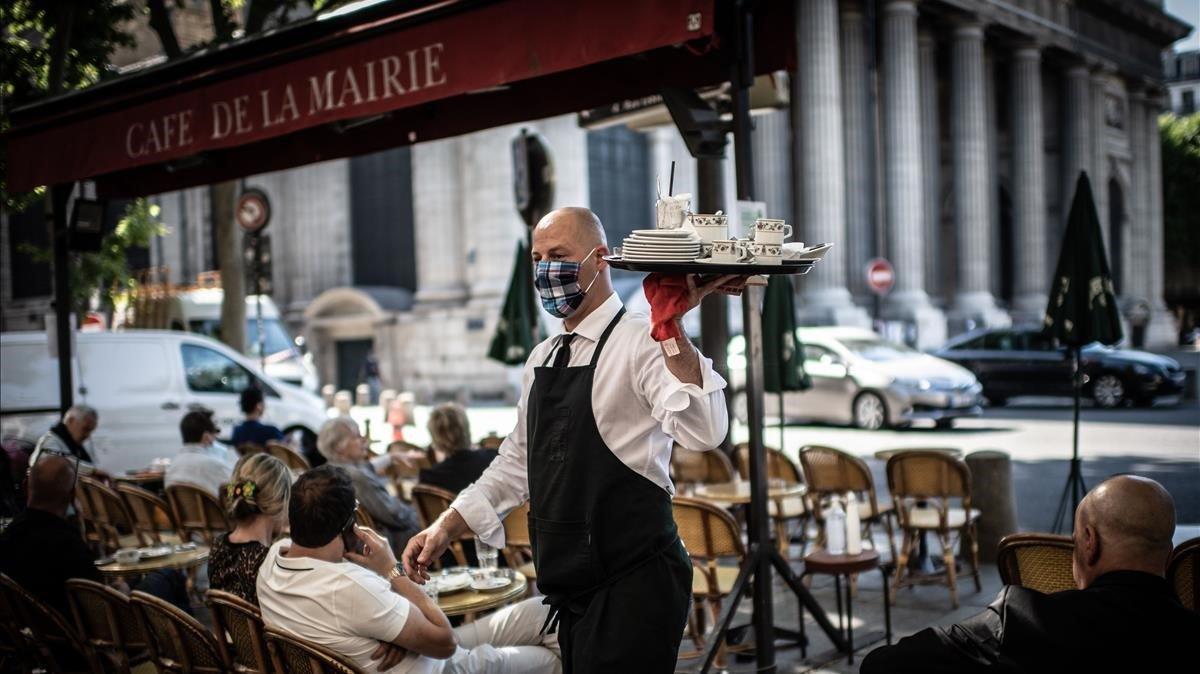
[1124,616]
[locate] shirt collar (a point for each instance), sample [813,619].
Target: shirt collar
[593,326]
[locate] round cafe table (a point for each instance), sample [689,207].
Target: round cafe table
[470,601]
[845,565]
[738,493]
[183,560]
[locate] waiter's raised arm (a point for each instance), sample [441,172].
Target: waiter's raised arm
[683,392]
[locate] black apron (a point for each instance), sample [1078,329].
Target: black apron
[608,556]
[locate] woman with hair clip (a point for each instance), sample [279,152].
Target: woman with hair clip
[256,500]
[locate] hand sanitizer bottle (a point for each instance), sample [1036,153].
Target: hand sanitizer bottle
[853,526]
[835,528]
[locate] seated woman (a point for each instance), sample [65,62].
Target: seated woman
[341,443]
[256,500]
[458,462]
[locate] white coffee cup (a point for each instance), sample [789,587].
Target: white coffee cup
[709,227]
[768,230]
[729,251]
[766,253]
[127,556]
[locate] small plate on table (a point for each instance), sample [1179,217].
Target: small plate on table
[453,582]
[156,551]
[491,584]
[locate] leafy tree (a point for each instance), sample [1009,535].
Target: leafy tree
[1181,204]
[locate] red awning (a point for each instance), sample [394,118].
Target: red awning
[411,75]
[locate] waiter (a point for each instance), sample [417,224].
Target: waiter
[601,405]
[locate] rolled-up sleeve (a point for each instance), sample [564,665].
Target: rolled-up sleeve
[695,415]
[505,483]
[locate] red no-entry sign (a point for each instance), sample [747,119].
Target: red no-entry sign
[880,276]
[253,211]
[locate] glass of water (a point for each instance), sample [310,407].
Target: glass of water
[487,557]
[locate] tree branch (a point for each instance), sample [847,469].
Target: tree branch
[160,21]
[222,22]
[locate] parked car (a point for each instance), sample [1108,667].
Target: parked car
[142,382]
[861,379]
[1020,361]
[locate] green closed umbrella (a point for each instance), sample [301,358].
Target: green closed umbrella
[1082,309]
[517,331]
[783,358]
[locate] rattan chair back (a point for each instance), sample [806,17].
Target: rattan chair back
[293,655]
[197,513]
[934,477]
[363,518]
[1039,562]
[711,467]
[708,532]
[241,634]
[177,641]
[829,471]
[1181,572]
[51,638]
[105,620]
[109,517]
[149,513]
[779,466]
[248,448]
[518,546]
[430,502]
[289,456]
[491,442]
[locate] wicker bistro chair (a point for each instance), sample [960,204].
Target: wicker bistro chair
[49,638]
[518,545]
[248,448]
[240,633]
[711,467]
[432,501]
[1181,572]
[16,645]
[293,655]
[178,642]
[833,472]
[109,524]
[289,456]
[781,510]
[1039,562]
[197,513]
[150,515]
[105,620]
[710,535]
[934,479]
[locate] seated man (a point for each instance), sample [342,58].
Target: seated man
[67,437]
[1124,616]
[40,549]
[202,462]
[252,430]
[362,607]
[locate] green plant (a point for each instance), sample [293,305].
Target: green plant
[1181,204]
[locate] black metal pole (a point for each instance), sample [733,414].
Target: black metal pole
[258,319]
[714,309]
[59,195]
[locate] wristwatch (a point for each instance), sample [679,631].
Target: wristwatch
[395,573]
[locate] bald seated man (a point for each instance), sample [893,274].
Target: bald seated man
[1123,618]
[40,549]
[601,405]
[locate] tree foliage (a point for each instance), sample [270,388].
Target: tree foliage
[1181,207]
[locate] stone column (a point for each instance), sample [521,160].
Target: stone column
[1030,283]
[859,147]
[1134,289]
[1162,332]
[974,305]
[1077,136]
[931,155]
[1099,171]
[437,209]
[492,225]
[902,174]
[772,166]
[818,112]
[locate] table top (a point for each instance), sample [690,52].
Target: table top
[739,492]
[470,601]
[176,560]
[885,454]
[820,561]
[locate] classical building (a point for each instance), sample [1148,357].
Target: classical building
[1182,70]
[943,135]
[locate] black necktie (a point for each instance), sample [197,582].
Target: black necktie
[563,357]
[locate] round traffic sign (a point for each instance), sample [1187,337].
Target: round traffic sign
[880,276]
[253,211]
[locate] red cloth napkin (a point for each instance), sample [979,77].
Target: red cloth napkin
[668,297]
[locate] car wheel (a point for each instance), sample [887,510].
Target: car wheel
[942,424]
[1108,391]
[869,411]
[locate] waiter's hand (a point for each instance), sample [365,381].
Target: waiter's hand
[426,547]
[699,292]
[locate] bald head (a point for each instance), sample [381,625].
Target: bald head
[577,222]
[1126,523]
[51,484]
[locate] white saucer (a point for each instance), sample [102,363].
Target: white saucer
[451,583]
[659,233]
[493,584]
[156,551]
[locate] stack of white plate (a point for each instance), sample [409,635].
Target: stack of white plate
[669,245]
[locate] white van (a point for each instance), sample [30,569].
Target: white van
[142,382]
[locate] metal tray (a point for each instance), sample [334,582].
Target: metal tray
[800,267]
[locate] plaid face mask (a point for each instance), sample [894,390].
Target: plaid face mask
[557,283]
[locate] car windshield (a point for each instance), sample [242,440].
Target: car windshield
[276,339]
[878,350]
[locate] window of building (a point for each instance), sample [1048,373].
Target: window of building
[1187,104]
[382,240]
[620,181]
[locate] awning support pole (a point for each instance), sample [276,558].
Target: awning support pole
[59,195]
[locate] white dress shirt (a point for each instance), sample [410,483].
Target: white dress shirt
[639,406]
[207,467]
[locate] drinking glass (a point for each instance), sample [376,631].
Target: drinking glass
[487,557]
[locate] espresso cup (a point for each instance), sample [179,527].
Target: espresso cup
[729,251]
[771,231]
[766,253]
[709,227]
[127,556]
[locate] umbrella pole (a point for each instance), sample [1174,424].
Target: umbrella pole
[1075,487]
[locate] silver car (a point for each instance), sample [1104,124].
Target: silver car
[861,379]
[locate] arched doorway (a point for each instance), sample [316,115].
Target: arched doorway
[348,326]
[1116,229]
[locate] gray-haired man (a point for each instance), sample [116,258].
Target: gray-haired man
[66,438]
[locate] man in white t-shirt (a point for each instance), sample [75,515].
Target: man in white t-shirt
[362,605]
[202,462]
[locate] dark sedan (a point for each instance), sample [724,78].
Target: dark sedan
[1012,362]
